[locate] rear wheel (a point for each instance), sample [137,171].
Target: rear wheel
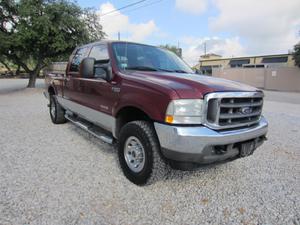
[139,153]
[57,113]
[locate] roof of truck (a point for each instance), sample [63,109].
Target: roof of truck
[106,41]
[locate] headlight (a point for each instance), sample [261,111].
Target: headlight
[184,111]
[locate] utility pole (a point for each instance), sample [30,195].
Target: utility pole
[179,50]
[119,36]
[204,48]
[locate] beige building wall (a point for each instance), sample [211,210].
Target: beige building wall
[254,60]
[251,76]
[281,79]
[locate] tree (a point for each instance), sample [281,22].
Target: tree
[172,48]
[35,32]
[296,54]
[5,63]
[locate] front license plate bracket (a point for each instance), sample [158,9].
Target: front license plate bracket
[247,148]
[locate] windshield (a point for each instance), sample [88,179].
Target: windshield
[130,56]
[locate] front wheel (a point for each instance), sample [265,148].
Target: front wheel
[139,153]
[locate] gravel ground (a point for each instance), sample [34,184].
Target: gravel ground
[58,174]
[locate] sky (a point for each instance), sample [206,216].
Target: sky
[230,28]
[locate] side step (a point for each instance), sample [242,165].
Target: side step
[90,128]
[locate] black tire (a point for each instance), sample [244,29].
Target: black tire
[58,113]
[154,167]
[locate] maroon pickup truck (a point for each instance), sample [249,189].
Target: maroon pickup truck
[157,110]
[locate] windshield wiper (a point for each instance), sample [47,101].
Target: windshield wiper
[147,68]
[172,71]
[142,68]
[179,71]
[165,70]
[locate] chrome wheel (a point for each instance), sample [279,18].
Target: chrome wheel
[134,154]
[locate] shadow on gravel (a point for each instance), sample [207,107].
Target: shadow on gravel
[171,175]
[202,170]
[88,137]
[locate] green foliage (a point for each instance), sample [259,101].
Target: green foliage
[296,54]
[5,63]
[35,32]
[172,48]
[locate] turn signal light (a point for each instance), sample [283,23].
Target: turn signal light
[169,119]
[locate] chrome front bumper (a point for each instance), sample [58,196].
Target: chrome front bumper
[199,144]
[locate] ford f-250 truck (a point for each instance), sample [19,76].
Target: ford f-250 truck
[157,110]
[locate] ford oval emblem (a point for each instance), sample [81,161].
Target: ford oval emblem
[246,110]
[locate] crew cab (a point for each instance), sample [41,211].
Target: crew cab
[158,111]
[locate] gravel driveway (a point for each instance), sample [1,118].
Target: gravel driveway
[58,174]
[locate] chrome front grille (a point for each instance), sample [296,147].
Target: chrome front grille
[227,110]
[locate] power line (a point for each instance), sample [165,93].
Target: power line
[124,7]
[142,6]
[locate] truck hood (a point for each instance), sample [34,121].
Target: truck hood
[191,85]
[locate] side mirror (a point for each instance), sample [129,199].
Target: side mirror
[104,71]
[87,67]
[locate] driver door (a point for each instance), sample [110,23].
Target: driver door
[98,93]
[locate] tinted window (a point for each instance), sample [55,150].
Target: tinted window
[78,57]
[238,62]
[100,53]
[275,60]
[207,70]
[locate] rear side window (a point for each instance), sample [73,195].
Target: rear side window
[100,53]
[80,54]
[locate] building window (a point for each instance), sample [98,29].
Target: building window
[238,62]
[249,66]
[254,66]
[207,70]
[260,66]
[275,59]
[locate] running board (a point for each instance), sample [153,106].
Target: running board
[90,129]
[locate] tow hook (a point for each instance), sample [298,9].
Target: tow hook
[220,149]
[265,138]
